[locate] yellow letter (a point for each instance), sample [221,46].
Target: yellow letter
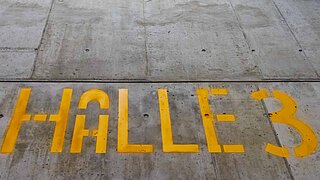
[123,142]
[166,131]
[79,129]
[208,121]
[61,120]
[287,116]
[78,133]
[102,133]
[19,115]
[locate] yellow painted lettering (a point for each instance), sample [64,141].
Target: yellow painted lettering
[208,121]
[102,133]
[166,131]
[79,129]
[123,136]
[40,117]
[18,117]
[61,120]
[287,115]
[78,133]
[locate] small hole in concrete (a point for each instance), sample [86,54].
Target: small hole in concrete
[87,50]
[146,115]
[1,115]
[192,95]
[253,50]
[203,50]
[300,50]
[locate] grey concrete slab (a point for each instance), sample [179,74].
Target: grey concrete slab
[166,40]
[32,158]
[16,65]
[190,40]
[307,96]
[93,40]
[303,19]
[276,49]
[22,22]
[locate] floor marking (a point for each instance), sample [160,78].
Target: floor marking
[226,118]
[208,121]
[61,120]
[19,116]
[123,136]
[166,131]
[78,133]
[287,115]
[40,117]
[102,134]
[79,127]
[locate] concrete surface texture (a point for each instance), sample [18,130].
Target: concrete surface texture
[233,85]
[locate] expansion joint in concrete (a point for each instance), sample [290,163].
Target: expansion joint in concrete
[276,136]
[296,39]
[42,38]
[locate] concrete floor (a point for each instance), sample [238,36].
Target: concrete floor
[145,45]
